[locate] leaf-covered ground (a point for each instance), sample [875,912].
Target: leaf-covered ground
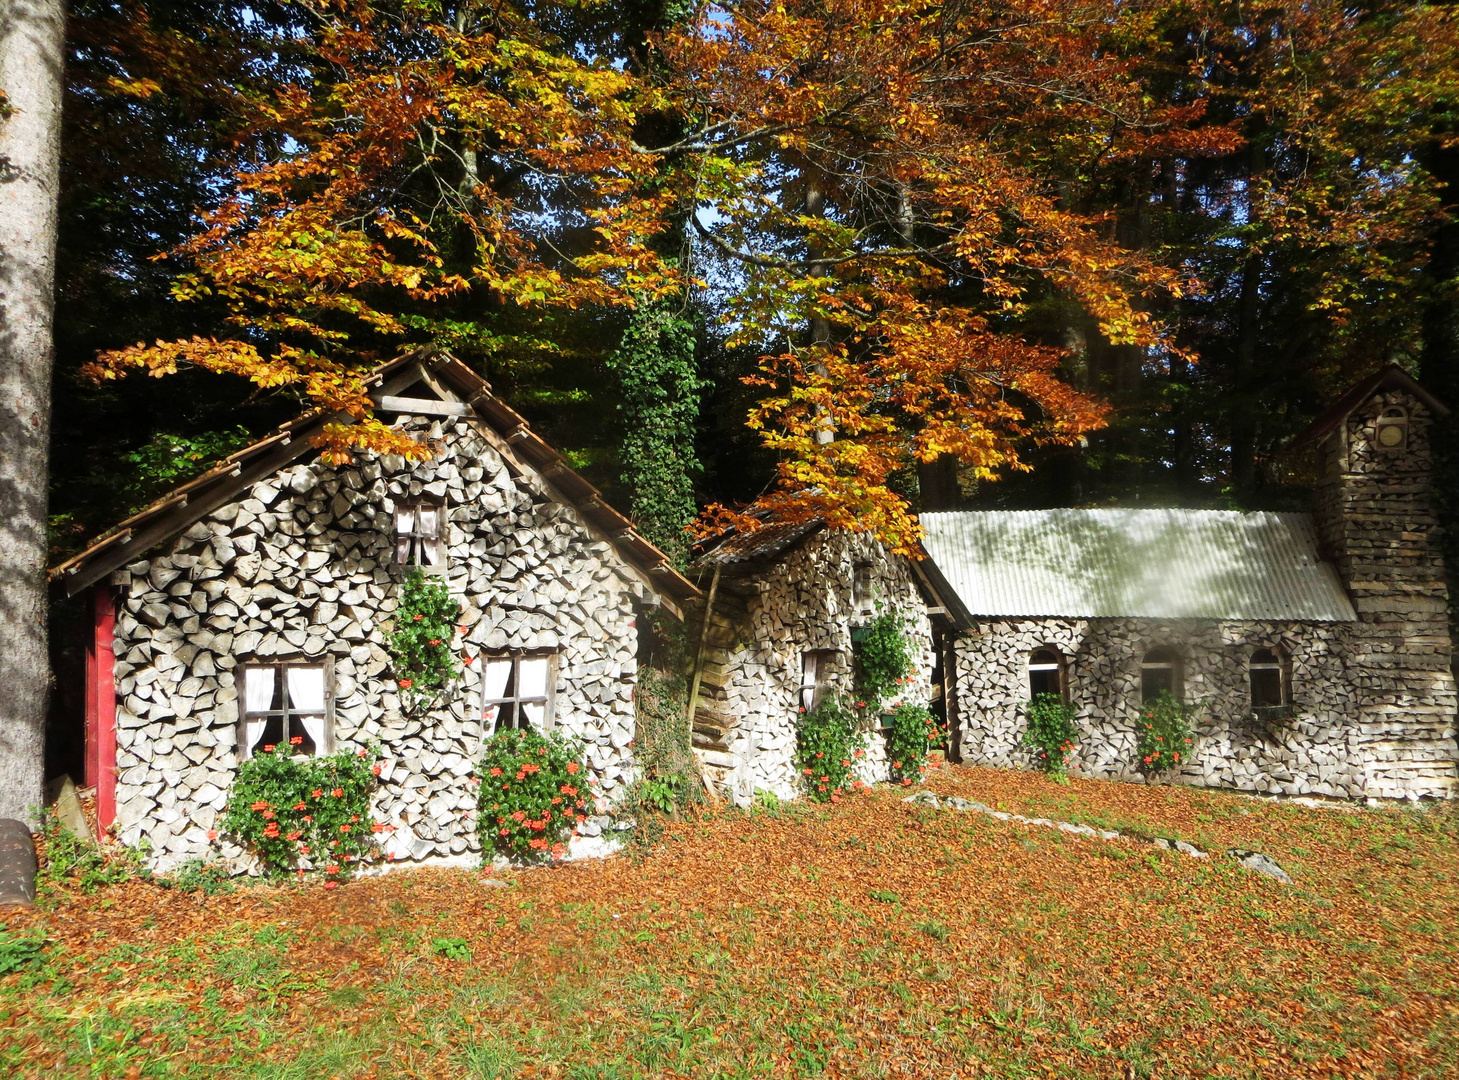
[869,939]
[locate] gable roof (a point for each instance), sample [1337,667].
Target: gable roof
[1391,377]
[459,392]
[1208,564]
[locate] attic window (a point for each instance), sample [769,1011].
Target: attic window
[420,527]
[1392,433]
[1160,673]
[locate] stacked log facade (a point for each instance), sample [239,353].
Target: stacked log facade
[770,613]
[1372,702]
[302,566]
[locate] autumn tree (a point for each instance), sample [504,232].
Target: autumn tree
[882,181]
[439,151]
[883,199]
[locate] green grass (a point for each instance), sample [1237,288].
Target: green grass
[875,939]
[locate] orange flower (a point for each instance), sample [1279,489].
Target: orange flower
[297,740]
[572,766]
[495,771]
[331,884]
[316,793]
[212,835]
[376,770]
[331,869]
[406,684]
[338,793]
[260,805]
[270,748]
[301,805]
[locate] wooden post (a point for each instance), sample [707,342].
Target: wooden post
[101,707]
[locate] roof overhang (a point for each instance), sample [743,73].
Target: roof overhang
[459,392]
[1389,378]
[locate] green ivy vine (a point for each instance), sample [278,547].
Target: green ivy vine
[425,622]
[660,386]
[883,660]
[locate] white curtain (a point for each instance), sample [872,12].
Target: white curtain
[494,677]
[810,669]
[430,531]
[258,695]
[306,689]
[532,677]
[306,699]
[404,526]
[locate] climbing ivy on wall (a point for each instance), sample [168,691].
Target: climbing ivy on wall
[660,387]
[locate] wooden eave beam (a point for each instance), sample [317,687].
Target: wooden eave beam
[167,524]
[421,406]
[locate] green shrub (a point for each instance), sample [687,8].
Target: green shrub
[22,950]
[827,746]
[533,794]
[73,861]
[912,732]
[1164,737]
[1051,732]
[305,814]
[661,744]
[658,796]
[200,875]
[883,661]
[425,622]
[452,948]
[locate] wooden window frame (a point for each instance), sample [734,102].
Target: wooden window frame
[410,547]
[1281,664]
[1175,666]
[810,694]
[1058,667]
[280,665]
[516,656]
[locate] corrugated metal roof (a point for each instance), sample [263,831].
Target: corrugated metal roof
[1211,564]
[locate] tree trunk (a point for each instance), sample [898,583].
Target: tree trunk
[815,206]
[1240,400]
[31,61]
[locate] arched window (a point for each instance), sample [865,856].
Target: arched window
[1271,683]
[1160,671]
[1392,428]
[1045,673]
